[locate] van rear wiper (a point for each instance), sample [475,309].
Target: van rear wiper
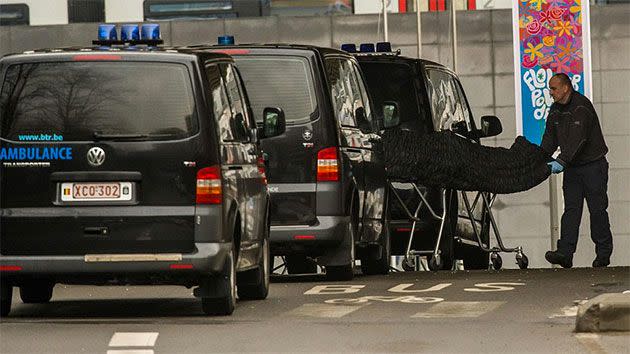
[102,136]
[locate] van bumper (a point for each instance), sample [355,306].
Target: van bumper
[206,259]
[311,240]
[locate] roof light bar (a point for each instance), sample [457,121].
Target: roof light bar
[107,32]
[150,31]
[225,40]
[129,33]
[366,48]
[383,47]
[349,47]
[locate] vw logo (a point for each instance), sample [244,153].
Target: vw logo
[307,135]
[96,156]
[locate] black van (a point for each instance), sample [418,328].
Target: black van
[428,97]
[327,183]
[131,165]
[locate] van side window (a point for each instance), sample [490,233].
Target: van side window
[220,102]
[250,123]
[344,90]
[445,104]
[364,94]
[239,114]
[466,113]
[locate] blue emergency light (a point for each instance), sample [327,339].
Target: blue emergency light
[226,40]
[383,47]
[107,32]
[150,31]
[129,33]
[349,47]
[366,48]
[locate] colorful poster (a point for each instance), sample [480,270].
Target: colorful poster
[550,37]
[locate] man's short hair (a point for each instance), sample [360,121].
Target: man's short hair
[564,79]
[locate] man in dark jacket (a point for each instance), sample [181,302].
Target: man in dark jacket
[573,126]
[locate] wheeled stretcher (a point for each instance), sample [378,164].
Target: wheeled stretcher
[482,200]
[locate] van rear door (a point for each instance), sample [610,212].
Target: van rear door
[100,144]
[287,80]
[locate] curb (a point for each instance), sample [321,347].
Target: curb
[604,313]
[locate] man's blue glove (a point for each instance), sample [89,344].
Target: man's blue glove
[556,167]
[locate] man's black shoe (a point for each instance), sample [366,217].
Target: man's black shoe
[598,263]
[555,257]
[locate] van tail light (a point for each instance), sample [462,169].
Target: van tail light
[328,165]
[10,268]
[261,170]
[209,185]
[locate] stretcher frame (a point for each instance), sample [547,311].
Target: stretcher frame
[435,263]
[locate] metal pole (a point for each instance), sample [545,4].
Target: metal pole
[419,26]
[385,20]
[454,34]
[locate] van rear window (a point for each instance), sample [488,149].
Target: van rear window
[279,81]
[87,100]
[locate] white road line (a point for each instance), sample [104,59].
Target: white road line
[568,311]
[459,309]
[324,310]
[133,339]
[132,351]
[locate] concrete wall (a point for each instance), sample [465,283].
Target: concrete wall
[486,70]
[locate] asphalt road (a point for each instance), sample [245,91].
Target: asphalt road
[531,311]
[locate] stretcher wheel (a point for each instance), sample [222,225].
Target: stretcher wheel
[522,261]
[497,262]
[435,263]
[408,265]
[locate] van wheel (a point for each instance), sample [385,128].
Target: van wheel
[36,293]
[371,266]
[226,283]
[6,295]
[256,281]
[299,264]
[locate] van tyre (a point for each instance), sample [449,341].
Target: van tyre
[36,293]
[299,264]
[256,286]
[226,282]
[6,295]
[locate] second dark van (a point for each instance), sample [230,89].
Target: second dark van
[327,182]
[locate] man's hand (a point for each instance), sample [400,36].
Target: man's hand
[556,167]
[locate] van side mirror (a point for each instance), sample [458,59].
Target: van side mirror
[274,123]
[490,126]
[391,114]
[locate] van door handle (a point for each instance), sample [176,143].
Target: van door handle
[235,168]
[354,150]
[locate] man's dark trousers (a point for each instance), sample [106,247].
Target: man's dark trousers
[590,182]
